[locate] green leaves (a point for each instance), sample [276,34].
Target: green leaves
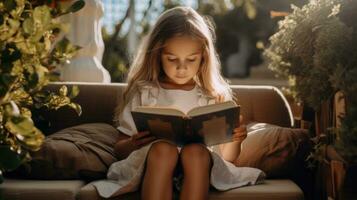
[26,133]
[19,125]
[307,47]
[9,5]
[250,9]
[29,26]
[28,31]
[42,16]
[7,79]
[75,92]
[63,91]
[316,48]
[38,24]
[76,107]
[75,7]
[9,55]
[62,52]
[10,109]
[63,100]
[53,101]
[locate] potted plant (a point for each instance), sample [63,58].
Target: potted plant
[29,49]
[315,47]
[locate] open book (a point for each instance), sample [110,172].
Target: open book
[210,124]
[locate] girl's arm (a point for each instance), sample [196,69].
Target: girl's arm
[126,144]
[230,151]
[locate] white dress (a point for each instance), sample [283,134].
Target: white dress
[125,176]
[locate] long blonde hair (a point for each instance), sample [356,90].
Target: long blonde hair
[147,69]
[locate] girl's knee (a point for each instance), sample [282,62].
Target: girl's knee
[195,152]
[163,151]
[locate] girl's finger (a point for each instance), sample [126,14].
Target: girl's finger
[241,128]
[240,133]
[240,136]
[138,136]
[142,134]
[144,141]
[219,99]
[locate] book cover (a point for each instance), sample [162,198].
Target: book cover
[209,125]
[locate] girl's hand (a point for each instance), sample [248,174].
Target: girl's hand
[219,99]
[240,133]
[141,139]
[124,147]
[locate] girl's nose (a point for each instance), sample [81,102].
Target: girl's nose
[181,66]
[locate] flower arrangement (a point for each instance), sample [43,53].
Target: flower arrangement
[29,50]
[315,47]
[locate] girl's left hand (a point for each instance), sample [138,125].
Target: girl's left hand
[240,133]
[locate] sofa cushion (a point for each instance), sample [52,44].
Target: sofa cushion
[85,151]
[278,189]
[272,149]
[20,189]
[89,192]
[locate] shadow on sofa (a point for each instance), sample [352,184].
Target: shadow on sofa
[79,149]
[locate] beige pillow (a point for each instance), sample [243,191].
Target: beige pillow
[273,149]
[85,151]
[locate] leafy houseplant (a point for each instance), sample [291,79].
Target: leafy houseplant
[29,49]
[316,48]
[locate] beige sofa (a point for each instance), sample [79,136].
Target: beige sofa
[258,103]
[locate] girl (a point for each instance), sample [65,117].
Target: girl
[176,66]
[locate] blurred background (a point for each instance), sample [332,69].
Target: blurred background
[243,28]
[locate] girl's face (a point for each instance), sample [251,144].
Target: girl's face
[181,59]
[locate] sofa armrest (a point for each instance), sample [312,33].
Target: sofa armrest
[264,104]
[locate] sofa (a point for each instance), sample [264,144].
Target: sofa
[258,103]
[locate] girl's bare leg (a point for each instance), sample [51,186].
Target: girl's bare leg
[160,164]
[196,163]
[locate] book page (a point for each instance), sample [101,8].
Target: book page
[160,110]
[215,130]
[161,129]
[168,127]
[211,108]
[216,127]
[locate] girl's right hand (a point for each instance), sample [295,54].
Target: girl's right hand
[141,139]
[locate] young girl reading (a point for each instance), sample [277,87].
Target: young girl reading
[176,66]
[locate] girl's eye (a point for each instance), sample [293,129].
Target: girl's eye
[171,59]
[191,60]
